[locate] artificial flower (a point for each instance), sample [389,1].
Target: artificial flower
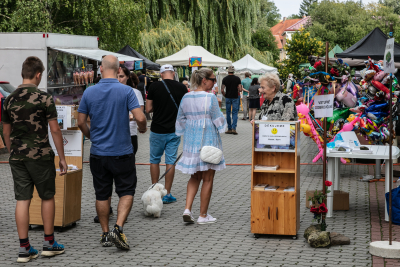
[317,64]
[334,72]
[315,210]
[328,183]
[323,208]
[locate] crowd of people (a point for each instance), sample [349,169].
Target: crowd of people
[116,105]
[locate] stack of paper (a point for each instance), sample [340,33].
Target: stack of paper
[289,188]
[266,167]
[260,187]
[271,188]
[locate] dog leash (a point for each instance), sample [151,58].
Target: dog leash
[176,161]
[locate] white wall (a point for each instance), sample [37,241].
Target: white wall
[16,47]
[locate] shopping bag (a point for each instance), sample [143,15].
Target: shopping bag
[395,205]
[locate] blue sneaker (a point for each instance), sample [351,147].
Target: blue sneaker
[52,250]
[25,256]
[168,199]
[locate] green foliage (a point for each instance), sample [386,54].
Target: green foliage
[348,21]
[116,22]
[294,16]
[298,49]
[222,27]
[393,4]
[306,6]
[267,14]
[263,40]
[168,38]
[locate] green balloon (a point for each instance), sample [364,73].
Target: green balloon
[337,114]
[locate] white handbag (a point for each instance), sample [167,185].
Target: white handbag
[209,154]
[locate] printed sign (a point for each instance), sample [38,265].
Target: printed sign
[139,65]
[323,106]
[274,134]
[64,116]
[388,61]
[72,141]
[195,62]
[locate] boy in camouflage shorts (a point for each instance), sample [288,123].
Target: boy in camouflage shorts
[27,111]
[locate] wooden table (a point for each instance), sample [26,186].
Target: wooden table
[378,153]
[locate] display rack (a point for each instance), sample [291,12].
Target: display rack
[276,212]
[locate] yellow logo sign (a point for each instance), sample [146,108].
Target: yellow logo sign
[274,131]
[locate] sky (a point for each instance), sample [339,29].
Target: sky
[289,7]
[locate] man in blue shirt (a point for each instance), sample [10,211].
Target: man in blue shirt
[108,104]
[246,82]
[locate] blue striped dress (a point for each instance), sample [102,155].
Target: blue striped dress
[189,123]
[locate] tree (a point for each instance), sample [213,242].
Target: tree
[168,38]
[222,27]
[393,4]
[116,22]
[306,6]
[263,40]
[267,14]
[294,16]
[348,22]
[298,49]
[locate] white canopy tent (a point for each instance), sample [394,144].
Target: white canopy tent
[248,63]
[181,58]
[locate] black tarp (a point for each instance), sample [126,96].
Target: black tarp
[371,45]
[129,51]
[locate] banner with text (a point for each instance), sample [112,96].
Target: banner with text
[388,61]
[274,134]
[323,106]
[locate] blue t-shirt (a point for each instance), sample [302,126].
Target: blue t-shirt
[246,85]
[108,104]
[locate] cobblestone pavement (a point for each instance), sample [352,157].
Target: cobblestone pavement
[166,241]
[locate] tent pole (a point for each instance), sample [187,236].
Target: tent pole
[390,148]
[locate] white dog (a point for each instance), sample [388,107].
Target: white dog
[152,200]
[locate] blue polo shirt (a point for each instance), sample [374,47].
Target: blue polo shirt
[108,104]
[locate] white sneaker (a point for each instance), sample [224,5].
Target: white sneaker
[206,220]
[187,216]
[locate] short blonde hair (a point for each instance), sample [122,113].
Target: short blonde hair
[272,80]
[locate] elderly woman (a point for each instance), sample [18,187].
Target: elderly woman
[277,106]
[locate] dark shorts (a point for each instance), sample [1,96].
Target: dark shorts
[39,173]
[121,170]
[254,103]
[134,143]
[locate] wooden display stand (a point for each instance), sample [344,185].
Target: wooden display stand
[276,212]
[68,195]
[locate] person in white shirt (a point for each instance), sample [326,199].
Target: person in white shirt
[125,77]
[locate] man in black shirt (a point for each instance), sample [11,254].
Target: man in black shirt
[231,88]
[163,99]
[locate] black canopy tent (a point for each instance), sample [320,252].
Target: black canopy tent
[129,51]
[372,45]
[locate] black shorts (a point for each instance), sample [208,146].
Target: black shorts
[120,169]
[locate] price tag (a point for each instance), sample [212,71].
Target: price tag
[274,134]
[323,106]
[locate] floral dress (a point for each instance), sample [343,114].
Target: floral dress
[281,108]
[189,123]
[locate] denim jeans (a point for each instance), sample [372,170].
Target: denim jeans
[234,102]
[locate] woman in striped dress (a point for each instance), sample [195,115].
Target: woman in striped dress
[189,123]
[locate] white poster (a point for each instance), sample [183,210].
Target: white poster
[274,134]
[323,106]
[64,116]
[388,61]
[72,141]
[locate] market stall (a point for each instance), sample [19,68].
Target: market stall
[248,63]
[71,61]
[148,64]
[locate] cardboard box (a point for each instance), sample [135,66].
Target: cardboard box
[340,199]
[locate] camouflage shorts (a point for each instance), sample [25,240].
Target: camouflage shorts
[27,174]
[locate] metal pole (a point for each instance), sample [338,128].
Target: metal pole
[324,157]
[390,149]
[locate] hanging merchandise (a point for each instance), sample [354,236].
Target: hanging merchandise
[359,105]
